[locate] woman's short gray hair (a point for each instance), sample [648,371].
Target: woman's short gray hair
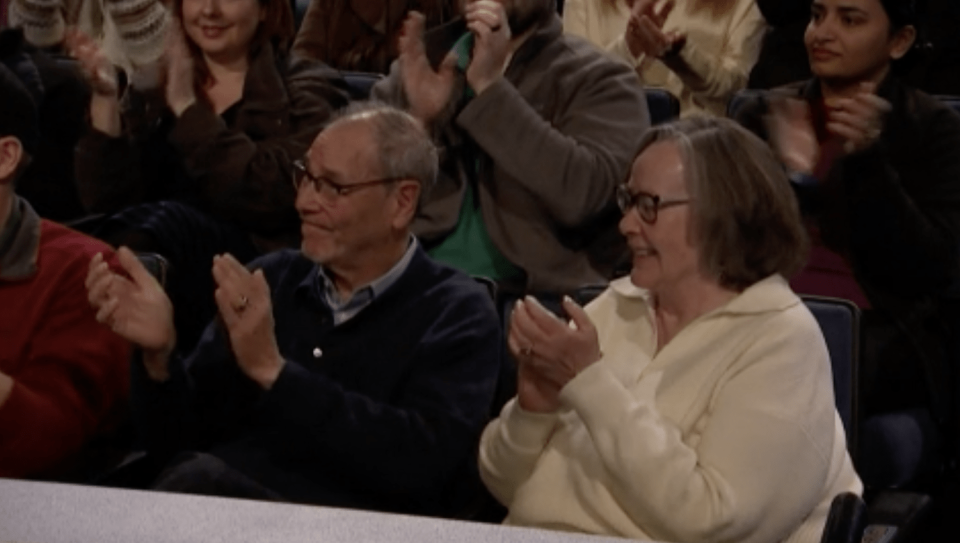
[403,146]
[745,216]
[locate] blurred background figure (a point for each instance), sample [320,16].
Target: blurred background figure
[689,395]
[131,33]
[62,96]
[209,154]
[783,57]
[63,376]
[699,50]
[875,167]
[360,35]
[537,129]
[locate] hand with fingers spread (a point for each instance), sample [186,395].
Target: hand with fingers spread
[858,120]
[180,91]
[104,102]
[645,35]
[550,351]
[93,63]
[134,307]
[427,91]
[243,299]
[791,135]
[487,20]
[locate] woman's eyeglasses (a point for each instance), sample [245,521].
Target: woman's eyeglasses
[647,205]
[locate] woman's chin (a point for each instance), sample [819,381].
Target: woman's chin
[641,278]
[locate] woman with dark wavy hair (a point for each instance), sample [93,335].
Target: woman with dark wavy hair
[874,163]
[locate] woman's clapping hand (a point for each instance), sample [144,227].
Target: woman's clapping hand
[549,351]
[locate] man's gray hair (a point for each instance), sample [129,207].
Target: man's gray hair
[403,146]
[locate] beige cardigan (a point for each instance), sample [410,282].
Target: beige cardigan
[712,66]
[728,433]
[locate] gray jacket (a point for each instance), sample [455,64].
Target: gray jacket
[546,146]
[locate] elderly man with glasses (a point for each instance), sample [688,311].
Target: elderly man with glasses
[356,372]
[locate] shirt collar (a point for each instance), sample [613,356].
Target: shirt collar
[344,310]
[19,242]
[766,295]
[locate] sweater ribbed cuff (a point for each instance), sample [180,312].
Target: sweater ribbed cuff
[527,430]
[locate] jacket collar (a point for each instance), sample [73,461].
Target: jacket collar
[263,87]
[772,294]
[545,34]
[18,259]
[810,89]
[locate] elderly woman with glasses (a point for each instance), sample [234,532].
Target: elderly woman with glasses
[691,401]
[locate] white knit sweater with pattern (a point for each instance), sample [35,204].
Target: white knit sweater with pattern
[131,32]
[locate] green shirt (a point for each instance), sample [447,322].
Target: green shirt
[469,247]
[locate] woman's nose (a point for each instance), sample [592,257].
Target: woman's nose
[211,7]
[822,30]
[629,223]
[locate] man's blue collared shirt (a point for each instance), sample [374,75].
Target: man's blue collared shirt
[344,310]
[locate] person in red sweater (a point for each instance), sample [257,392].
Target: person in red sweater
[63,376]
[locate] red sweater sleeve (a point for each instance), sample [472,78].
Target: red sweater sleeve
[70,373]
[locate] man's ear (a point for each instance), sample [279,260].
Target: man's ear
[902,41]
[408,195]
[11,153]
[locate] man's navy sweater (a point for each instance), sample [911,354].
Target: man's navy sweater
[382,412]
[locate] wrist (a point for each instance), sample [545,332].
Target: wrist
[157,364]
[802,178]
[6,387]
[178,107]
[157,361]
[675,48]
[538,406]
[105,114]
[484,84]
[267,373]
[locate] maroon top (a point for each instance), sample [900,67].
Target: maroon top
[70,372]
[828,271]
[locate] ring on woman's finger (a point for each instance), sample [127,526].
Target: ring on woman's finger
[242,305]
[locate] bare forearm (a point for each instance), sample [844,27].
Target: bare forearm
[157,364]
[6,387]
[105,114]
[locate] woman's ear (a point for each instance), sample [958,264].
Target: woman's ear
[902,41]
